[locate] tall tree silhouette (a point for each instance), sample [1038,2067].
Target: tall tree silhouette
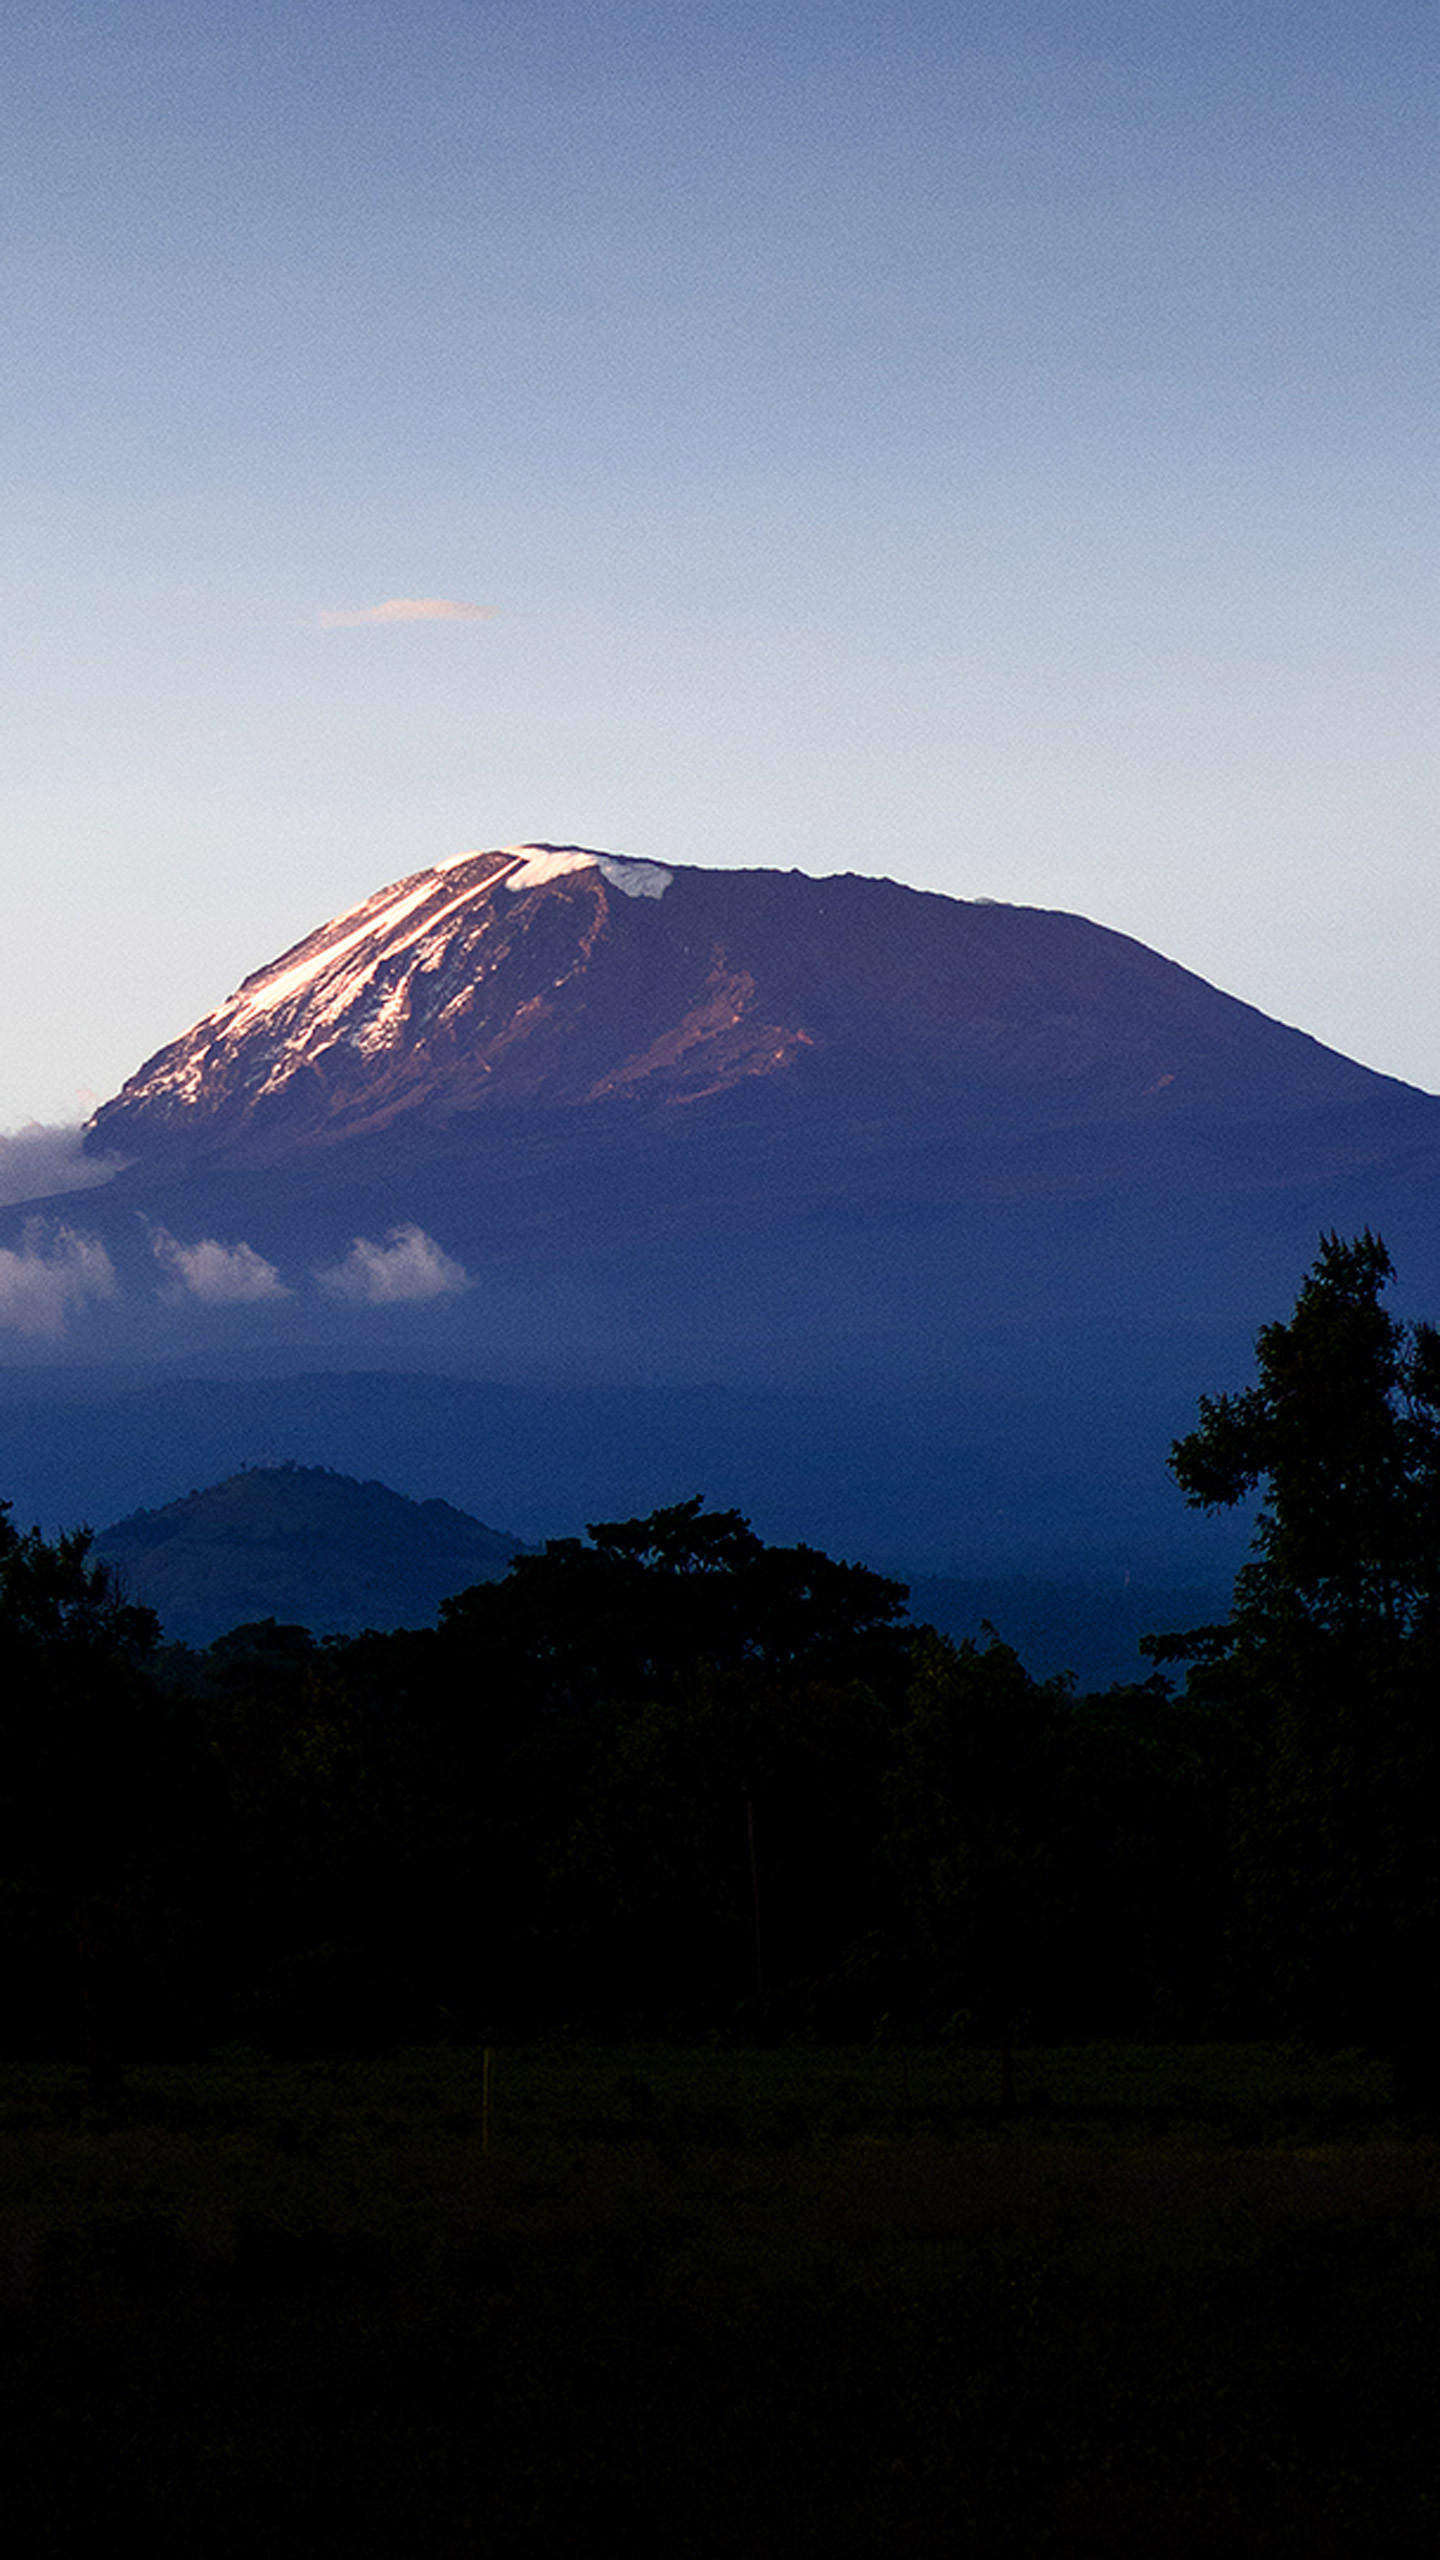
[1329,1661]
[1341,1433]
[102,1809]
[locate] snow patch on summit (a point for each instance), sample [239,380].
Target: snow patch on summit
[636,879]
[551,862]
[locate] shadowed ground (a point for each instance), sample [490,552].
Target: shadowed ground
[783,2302]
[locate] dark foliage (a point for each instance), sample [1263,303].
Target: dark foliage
[1329,1667]
[670,1780]
[107,1815]
[1342,1432]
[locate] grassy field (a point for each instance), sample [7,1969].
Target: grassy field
[721,2302]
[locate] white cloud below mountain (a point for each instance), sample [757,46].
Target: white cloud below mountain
[43,1158]
[53,1272]
[219,1274]
[407,1267]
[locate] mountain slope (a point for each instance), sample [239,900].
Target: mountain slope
[910,1225]
[304,1545]
[555,979]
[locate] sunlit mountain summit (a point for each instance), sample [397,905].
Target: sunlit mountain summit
[910,1225]
[557,977]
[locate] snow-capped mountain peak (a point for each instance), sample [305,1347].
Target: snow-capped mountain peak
[557,977]
[439,990]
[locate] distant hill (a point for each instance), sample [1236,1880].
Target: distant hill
[304,1545]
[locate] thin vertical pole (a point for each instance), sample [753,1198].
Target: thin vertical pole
[485,2102]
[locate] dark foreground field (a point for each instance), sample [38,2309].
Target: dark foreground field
[720,2302]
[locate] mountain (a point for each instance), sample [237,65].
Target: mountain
[303,1545]
[567,1184]
[554,982]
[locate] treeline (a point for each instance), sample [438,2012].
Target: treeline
[669,1780]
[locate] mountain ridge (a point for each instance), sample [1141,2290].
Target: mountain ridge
[526,977]
[939,1213]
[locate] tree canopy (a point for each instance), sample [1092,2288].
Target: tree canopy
[634,1612]
[1341,1436]
[1327,1668]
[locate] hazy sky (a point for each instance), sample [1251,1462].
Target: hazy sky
[991,445]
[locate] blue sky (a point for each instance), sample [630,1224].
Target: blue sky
[991,446]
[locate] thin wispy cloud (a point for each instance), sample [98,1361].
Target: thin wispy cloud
[407,1267]
[222,1275]
[404,609]
[54,1272]
[41,1159]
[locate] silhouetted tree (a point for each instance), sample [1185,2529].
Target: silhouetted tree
[1341,1434]
[635,1610]
[1328,1666]
[321,1831]
[103,1811]
[977,1812]
[668,1713]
